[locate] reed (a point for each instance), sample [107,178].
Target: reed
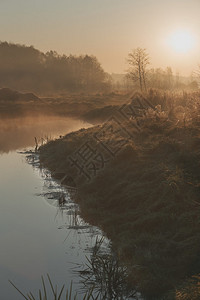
[56,294]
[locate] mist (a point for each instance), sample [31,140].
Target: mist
[28,69]
[18,133]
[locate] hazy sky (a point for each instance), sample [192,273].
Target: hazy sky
[108,29]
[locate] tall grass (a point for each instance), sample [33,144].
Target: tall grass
[56,294]
[104,274]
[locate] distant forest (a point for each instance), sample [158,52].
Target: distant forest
[28,69]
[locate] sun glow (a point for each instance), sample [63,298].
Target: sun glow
[181,41]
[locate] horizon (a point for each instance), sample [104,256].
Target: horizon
[111,73]
[108,31]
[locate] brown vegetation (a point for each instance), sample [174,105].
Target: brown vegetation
[81,105]
[147,197]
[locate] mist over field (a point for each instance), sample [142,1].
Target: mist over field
[127,144]
[100,150]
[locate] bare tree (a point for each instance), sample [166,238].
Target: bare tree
[138,60]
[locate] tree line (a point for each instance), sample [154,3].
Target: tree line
[28,69]
[141,76]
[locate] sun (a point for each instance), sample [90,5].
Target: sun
[181,41]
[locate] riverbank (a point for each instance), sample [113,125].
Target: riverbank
[138,179]
[87,107]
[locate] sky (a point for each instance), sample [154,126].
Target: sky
[108,29]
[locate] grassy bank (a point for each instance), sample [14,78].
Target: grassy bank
[88,107]
[144,193]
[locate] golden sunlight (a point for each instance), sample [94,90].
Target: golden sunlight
[181,41]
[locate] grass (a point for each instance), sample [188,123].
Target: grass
[146,198]
[74,105]
[43,294]
[190,288]
[105,275]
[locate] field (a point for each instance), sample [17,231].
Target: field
[82,106]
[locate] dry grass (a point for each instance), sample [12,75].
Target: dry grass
[147,197]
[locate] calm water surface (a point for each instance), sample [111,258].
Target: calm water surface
[35,238]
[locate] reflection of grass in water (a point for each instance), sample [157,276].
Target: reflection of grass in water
[57,294]
[104,275]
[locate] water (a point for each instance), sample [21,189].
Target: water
[19,132]
[35,237]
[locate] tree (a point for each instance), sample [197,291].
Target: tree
[169,78]
[138,60]
[161,79]
[27,69]
[196,75]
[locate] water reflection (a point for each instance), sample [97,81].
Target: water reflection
[31,244]
[39,237]
[20,132]
[102,274]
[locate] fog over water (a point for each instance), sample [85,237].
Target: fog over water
[20,132]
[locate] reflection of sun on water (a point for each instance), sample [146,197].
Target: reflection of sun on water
[181,41]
